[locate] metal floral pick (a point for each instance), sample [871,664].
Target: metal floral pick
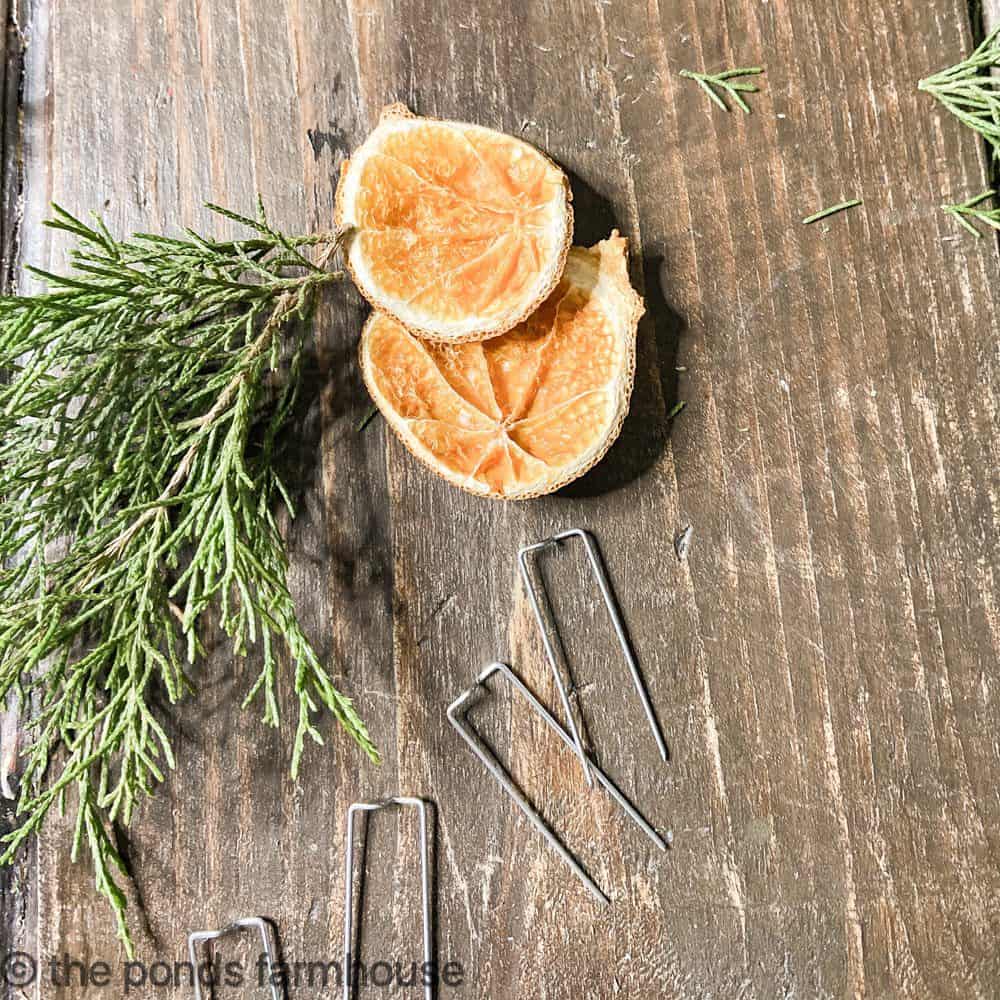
[425,880]
[599,573]
[456,715]
[196,939]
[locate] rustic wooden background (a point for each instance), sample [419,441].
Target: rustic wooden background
[824,661]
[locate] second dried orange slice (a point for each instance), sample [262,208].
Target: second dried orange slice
[456,231]
[524,413]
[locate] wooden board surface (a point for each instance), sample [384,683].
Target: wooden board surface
[824,662]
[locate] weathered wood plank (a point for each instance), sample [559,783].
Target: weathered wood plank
[990,13]
[824,661]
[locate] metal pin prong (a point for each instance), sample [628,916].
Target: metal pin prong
[614,613]
[456,715]
[425,882]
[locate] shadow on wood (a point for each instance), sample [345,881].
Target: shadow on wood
[646,428]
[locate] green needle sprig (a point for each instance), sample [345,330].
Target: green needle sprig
[825,213]
[712,83]
[971,92]
[367,418]
[969,210]
[140,424]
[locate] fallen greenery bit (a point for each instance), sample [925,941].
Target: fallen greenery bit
[969,210]
[971,92]
[676,409]
[139,428]
[825,213]
[712,83]
[682,542]
[367,418]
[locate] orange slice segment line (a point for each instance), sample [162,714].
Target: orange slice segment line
[487,452]
[527,451]
[452,271]
[502,182]
[416,431]
[466,368]
[554,410]
[489,377]
[505,445]
[447,192]
[543,350]
[422,347]
[504,272]
[438,421]
[465,237]
[500,179]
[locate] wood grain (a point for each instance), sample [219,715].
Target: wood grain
[824,661]
[990,13]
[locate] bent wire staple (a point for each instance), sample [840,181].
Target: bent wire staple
[457,718]
[597,567]
[425,881]
[263,927]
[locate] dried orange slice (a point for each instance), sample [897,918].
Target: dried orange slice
[456,231]
[524,413]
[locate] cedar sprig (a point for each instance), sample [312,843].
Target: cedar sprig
[139,426]
[971,92]
[974,209]
[825,213]
[728,82]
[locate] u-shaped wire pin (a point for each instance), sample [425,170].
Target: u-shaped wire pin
[263,927]
[429,974]
[601,576]
[456,716]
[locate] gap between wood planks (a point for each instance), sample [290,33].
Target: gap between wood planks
[18,924]
[11,161]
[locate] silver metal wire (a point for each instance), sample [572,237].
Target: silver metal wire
[196,939]
[428,973]
[456,715]
[597,568]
